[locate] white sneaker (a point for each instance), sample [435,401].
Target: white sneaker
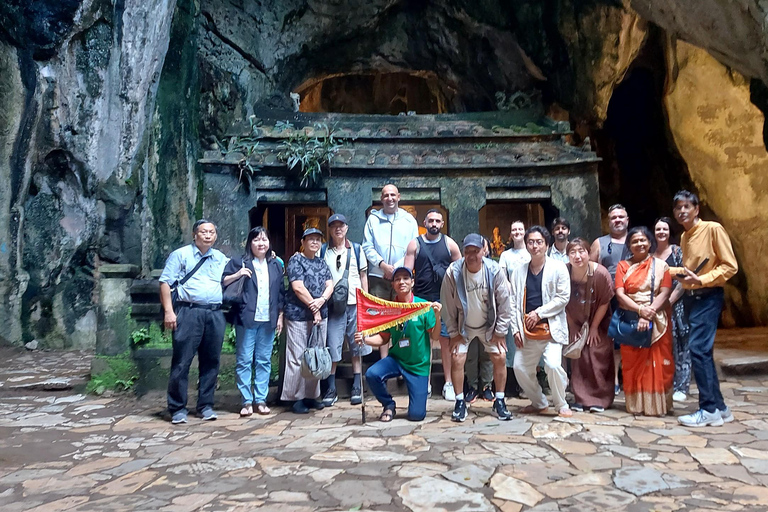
[448,392]
[726,415]
[701,418]
[429,389]
[678,396]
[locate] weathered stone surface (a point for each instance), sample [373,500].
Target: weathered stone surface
[508,488]
[435,494]
[471,476]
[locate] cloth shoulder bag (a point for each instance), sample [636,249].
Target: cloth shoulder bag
[338,302]
[232,294]
[574,348]
[316,360]
[623,327]
[540,331]
[175,286]
[438,272]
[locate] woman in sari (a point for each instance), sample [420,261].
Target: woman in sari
[591,294]
[648,372]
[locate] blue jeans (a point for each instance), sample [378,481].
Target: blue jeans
[703,312]
[254,361]
[388,368]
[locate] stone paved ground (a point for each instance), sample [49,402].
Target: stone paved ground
[62,450]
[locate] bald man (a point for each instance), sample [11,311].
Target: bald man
[387,234]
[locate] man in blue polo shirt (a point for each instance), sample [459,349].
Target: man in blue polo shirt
[195,319]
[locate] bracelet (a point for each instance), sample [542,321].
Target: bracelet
[639,309]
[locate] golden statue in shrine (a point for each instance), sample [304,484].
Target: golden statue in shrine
[412,210]
[497,244]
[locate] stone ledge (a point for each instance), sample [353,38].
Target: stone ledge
[117,271]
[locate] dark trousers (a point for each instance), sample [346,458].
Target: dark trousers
[703,312]
[388,368]
[198,331]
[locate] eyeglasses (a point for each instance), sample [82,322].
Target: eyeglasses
[536,242]
[610,247]
[338,262]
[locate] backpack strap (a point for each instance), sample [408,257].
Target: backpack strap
[323,250]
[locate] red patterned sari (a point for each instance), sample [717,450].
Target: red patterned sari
[648,372]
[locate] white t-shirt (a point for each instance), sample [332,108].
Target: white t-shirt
[262,297]
[512,258]
[332,257]
[477,303]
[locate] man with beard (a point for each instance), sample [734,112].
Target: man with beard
[609,250]
[561,230]
[429,256]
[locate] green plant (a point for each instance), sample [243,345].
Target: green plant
[228,347]
[151,337]
[120,375]
[311,152]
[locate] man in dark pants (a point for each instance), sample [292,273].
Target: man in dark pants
[709,262]
[196,320]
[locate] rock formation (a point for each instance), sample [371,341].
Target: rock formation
[105,106]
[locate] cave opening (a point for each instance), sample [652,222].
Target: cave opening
[641,166]
[375,93]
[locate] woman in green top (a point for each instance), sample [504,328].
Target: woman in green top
[409,354]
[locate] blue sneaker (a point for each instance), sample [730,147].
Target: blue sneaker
[207,413]
[459,411]
[179,417]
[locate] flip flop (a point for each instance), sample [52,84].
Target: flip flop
[530,409]
[565,412]
[262,409]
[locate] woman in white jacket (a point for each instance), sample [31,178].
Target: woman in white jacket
[540,291]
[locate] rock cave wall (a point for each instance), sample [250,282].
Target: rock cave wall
[105,106]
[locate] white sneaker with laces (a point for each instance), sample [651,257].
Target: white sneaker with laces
[701,418]
[726,415]
[678,396]
[448,392]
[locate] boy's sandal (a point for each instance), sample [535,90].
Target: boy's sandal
[262,409]
[387,415]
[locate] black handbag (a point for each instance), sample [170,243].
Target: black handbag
[623,327]
[338,302]
[232,294]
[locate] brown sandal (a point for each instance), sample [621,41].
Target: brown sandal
[387,415]
[262,409]
[530,409]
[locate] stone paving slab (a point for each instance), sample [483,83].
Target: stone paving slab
[65,451]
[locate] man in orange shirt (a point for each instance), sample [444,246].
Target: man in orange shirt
[709,262]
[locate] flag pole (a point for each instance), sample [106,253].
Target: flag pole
[362,388]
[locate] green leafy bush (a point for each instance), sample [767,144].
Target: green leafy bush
[120,375]
[153,336]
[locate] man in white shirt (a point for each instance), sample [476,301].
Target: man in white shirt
[386,237]
[561,230]
[343,256]
[475,299]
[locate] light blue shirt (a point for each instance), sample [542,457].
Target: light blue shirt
[204,287]
[557,255]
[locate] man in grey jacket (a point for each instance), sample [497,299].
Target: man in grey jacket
[386,237]
[475,298]
[540,291]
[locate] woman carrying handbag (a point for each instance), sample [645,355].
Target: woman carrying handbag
[254,284]
[643,286]
[589,313]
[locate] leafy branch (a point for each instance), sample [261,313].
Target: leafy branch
[311,152]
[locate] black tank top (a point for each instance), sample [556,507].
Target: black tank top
[428,279]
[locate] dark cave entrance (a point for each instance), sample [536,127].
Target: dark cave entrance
[641,166]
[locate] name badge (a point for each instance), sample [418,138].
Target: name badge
[405,342]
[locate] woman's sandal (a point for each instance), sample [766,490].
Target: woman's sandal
[262,409]
[387,415]
[565,412]
[246,411]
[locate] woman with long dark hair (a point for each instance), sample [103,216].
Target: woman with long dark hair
[673,255]
[257,318]
[643,285]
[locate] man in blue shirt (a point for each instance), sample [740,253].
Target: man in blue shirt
[195,319]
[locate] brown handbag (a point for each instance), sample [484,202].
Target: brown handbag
[540,331]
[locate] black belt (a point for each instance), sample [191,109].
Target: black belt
[701,292]
[192,305]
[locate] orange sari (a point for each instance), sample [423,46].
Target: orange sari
[648,372]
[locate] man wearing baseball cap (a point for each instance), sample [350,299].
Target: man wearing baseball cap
[409,354]
[475,298]
[345,261]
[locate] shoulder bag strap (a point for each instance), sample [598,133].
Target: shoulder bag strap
[590,284]
[192,272]
[346,270]
[653,277]
[428,253]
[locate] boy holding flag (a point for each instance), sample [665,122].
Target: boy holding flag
[410,353]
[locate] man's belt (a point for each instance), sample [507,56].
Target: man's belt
[700,292]
[192,305]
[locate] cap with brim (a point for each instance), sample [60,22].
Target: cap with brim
[474,240]
[402,269]
[337,217]
[311,231]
